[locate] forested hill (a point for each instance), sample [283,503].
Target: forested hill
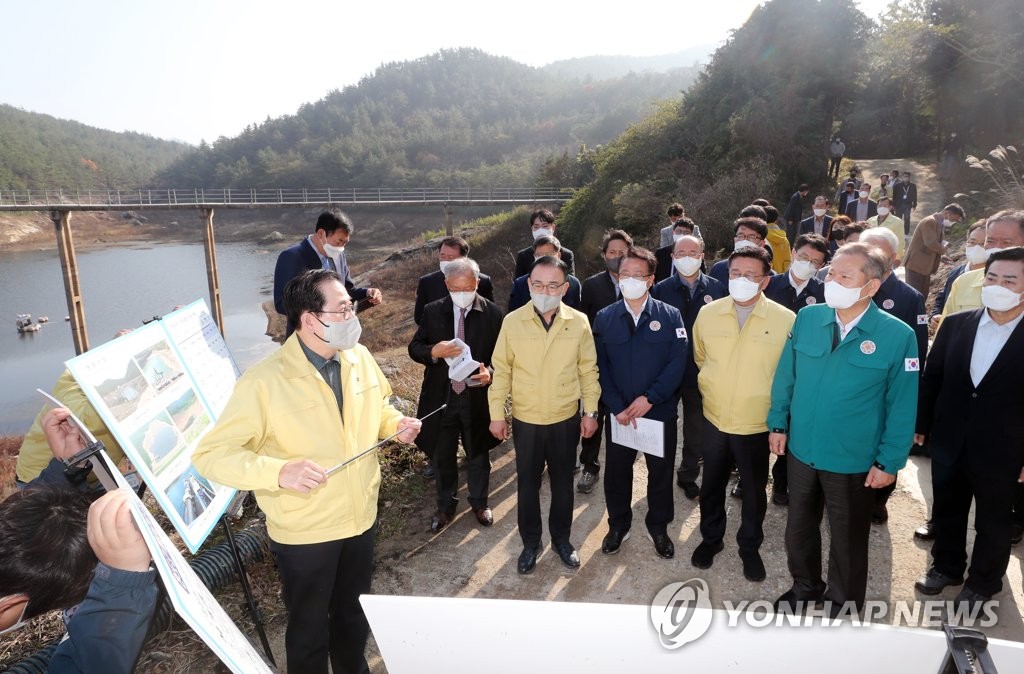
[457,117]
[39,151]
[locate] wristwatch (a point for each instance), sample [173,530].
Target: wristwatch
[779,430]
[592,415]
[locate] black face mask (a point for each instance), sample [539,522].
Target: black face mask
[613,264]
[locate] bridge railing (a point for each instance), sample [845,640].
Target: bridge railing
[171,198]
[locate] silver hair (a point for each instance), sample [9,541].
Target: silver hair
[881,233]
[876,264]
[462,266]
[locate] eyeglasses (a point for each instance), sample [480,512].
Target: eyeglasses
[548,288]
[749,237]
[814,263]
[680,256]
[346,311]
[750,276]
[640,277]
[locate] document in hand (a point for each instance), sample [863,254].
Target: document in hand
[648,436]
[461,366]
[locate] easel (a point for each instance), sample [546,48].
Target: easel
[91,454]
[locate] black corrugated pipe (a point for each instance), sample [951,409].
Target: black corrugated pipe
[215,567]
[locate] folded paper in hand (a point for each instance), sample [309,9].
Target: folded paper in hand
[461,366]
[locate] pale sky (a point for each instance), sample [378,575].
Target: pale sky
[200,69]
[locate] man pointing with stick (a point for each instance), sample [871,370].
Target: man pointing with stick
[317,402]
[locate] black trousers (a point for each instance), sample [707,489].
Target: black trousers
[693,424]
[955,486]
[456,422]
[537,445]
[904,212]
[780,475]
[849,505]
[618,482]
[321,584]
[750,455]
[833,167]
[590,448]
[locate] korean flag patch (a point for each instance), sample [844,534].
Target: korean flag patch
[680,333]
[922,319]
[911,364]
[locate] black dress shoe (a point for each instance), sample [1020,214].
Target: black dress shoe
[527,560]
[753,566]
[662,545]
[440,520]
[567,554]
[1016,534]
[429,472]
[935,582]
[793,603]
[613,540]
[484,516]
[925,532]
[881,515]
[970,601]
[690,489]
[704,556]
[780,498]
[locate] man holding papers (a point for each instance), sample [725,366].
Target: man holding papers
[737,341]
[319,400]
[641,356]
[461,328]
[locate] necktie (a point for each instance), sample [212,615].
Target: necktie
[460,386]
[835,335]
[330,264]
[332,375]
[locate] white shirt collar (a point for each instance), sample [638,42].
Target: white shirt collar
[792,281]
[636,316]
[844,330]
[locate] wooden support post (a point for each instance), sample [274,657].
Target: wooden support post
[211,268]
[448,220]
[69,268]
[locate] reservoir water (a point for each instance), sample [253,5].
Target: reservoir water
[121,287]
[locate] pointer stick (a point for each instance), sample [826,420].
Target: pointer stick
[341,465]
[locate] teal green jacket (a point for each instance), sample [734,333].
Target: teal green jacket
[849,408]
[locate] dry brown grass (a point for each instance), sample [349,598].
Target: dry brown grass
[9,446]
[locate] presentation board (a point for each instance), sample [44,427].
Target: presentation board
[558,636]
[159,389]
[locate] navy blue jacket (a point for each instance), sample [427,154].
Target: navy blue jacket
[940,299]
[647,359]
[900,300]
[298,258]
[674,292]
[520,294]
[782,291]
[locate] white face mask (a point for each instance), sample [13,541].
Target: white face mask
[632,288]
[864,194]
[819,212]
[998,298]
[882,211]
[687,266]
[545,303]
[840,297]
[342,336]
[743,243]
[803,269]
[742,290]
[543,231]
[443,264]
[333,251]
[976,254]
[463,300]
[676,237]
[21,622]
[947,223]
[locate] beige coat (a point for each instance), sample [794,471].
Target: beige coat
[925,247]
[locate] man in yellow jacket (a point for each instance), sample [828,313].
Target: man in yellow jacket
[1003,230]
[318,401]
[546,359]
[737,341]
